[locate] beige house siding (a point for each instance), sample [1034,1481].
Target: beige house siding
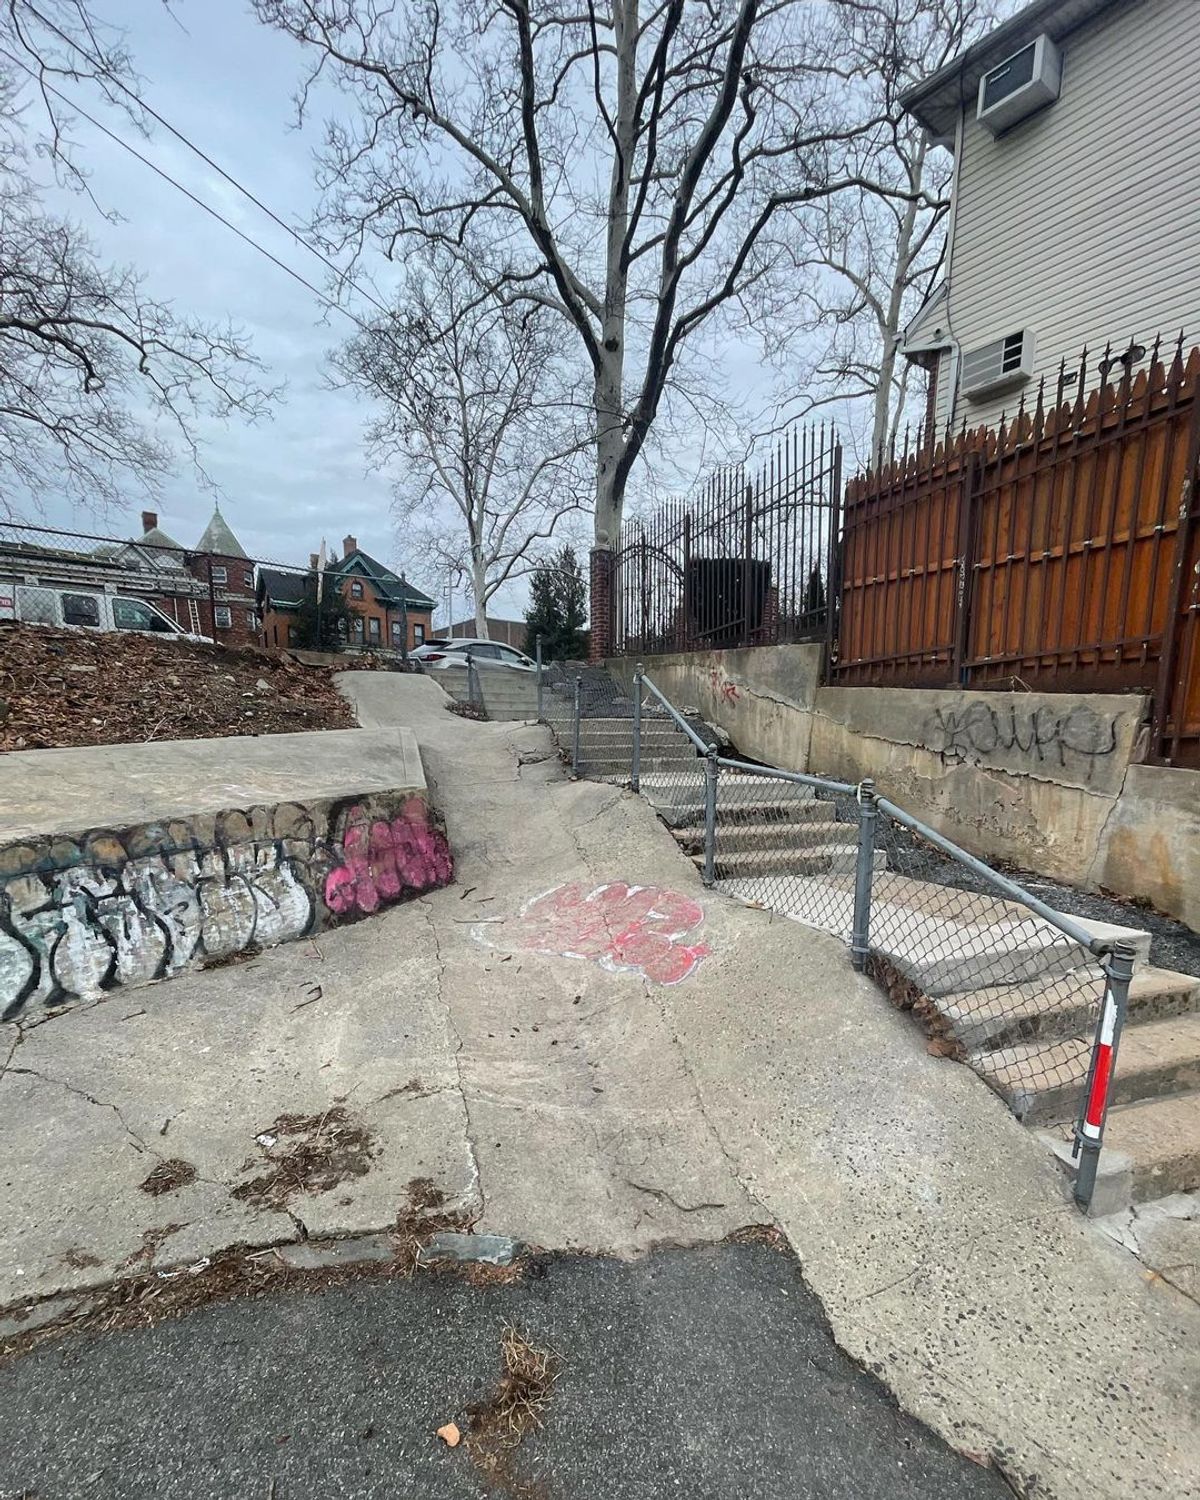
[1082,223]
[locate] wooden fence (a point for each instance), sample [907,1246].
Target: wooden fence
[1059,553]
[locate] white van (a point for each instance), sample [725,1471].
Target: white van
[81,609]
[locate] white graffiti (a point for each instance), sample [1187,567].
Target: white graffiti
[77,931]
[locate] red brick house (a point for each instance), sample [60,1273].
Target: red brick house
[389,612]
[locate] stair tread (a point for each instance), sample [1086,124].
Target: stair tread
[1032,996]
[1167,1049]
[1150,1129]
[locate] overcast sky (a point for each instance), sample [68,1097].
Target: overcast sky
[227,83]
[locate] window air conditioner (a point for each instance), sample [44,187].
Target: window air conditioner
[997,366]
[1019,85]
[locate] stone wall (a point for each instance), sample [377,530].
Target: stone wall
[81,913]
[1048,781]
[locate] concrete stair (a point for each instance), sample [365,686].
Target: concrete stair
[1005,991]
[1041,1080]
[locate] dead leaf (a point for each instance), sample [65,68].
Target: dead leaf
[941,1046]
[450,1435]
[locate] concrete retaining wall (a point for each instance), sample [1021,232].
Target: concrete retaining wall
[90,903]
[761,696]
[1044,780]
[1150,847]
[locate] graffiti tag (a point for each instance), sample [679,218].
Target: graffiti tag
[1045,733]
[79,916]
[623,928]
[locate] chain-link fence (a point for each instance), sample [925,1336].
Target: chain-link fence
[1024,994]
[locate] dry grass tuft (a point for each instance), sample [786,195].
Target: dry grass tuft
[521,1395]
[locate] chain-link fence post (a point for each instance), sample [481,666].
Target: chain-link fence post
[635,774]
[538,656]
[711,773]
[864,869]
[575,726]
[1089,1132]
[472,682]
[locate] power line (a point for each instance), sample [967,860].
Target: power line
[204,157]
[187,193]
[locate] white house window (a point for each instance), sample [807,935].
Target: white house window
[373,629]
[248,580]
[251,620]
[223,617]
[220,575]
[358,628]
[356,591]
[419,635]
[396,632]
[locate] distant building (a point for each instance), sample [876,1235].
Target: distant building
[208,589]
[507,632]
[390,613]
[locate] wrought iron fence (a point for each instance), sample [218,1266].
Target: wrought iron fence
[748,562]
[1024,994]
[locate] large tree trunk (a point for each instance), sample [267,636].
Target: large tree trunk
[479,594]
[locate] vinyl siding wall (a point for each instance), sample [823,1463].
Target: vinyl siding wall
[1083,222]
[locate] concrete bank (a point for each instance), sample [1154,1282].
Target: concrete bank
[1048,781]
[583,1048]
[123,864]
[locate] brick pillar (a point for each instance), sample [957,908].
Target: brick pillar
[600,589]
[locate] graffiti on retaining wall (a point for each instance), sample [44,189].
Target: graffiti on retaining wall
[79,916]
[623,928]
[383,858]
[723,687]
[1067,738]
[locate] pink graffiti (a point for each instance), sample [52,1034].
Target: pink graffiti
[384,860]
[619,926]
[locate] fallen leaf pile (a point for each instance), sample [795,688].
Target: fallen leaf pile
[64,687]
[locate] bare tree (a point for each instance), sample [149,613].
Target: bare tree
[868,257]
[100,382]
[626,162]
[478,419]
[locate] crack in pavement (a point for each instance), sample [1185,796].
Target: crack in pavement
[71,1088]
[475,1193]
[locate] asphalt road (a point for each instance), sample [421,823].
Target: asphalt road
[706,1372]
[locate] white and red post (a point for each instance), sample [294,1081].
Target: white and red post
[1089,1132]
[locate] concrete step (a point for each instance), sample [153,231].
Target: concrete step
[1160,1140]
[806,823]
[818,859]
[1059,1008]
[771,838]
[1042,1081]
[614,765]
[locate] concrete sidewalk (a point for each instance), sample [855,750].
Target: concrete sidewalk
[583,1048]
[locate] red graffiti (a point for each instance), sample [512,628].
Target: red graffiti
[722,687]
[384,860]
[619,926]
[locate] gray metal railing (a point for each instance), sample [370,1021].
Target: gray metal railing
[979,956]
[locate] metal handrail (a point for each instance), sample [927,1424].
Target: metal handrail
[801,778]
[704,747]
[1114,958]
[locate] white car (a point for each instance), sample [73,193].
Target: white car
[440,655]
[81,609]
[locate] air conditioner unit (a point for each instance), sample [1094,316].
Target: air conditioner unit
[997,366]
[1022,83]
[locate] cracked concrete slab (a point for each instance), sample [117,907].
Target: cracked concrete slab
[576,1100]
